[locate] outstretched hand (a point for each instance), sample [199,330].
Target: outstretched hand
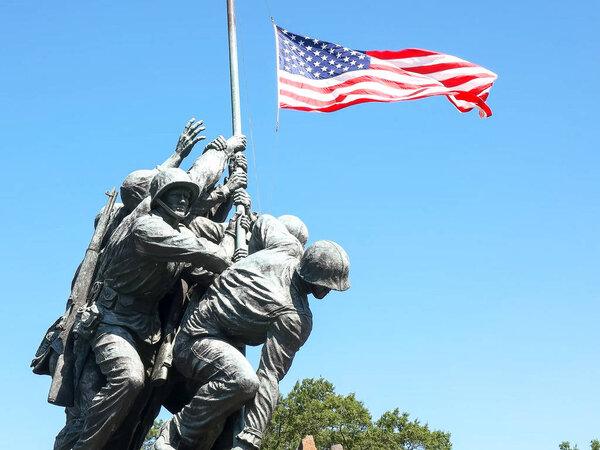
[190,137]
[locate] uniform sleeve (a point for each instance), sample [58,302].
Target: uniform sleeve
[208,168]
[206,228]
[270,233]
[157,240]
[284,339]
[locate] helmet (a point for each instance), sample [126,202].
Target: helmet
[169,178]
[135,188]
[326,264]
[296,227]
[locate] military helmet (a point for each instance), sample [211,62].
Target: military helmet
[170,178]
[326,264]
[296,227]
[135,188]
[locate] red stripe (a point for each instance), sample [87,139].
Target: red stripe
[398,70]
[456,81]
[406,53]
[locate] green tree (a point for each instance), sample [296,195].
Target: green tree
[152,435]
[313,407]
[594,445]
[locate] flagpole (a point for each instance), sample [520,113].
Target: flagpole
[236,116]
[237,418]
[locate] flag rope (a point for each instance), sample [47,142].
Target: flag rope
[245,81]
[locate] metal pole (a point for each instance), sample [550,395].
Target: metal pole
[236,116]
[236,420]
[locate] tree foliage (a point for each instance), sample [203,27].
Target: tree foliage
[313,407]
[566,445]
[152,435]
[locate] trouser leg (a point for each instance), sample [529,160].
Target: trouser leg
[119,362]
[228,381]
[89,385]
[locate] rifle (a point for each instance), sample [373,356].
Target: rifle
[62,387]
[164,357]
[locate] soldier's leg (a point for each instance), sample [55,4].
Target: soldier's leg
[89,385]
[120,363]
[228,382]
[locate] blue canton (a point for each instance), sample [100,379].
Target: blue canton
[315,59]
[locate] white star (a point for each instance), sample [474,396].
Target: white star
[288,59]
[309,58]
[309,48]
[309,69]
[294,56]
[331,51]
[323,46]
[362,56]
[324,69]
[353,53]
[360,66]
[353,62]
[317,52]
[345,68]
[346,59]
[301,72]
[293,37]
[301,63]
[339,55]
[287,67]
[331,72]
[346,49]
[331,62]
[301,53]
[324,57]
[339,66]
[284,31]
[315,41]
[301,42]
[286,50]
[317,74]
[317,63]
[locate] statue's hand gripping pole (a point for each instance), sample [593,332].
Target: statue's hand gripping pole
[241,200]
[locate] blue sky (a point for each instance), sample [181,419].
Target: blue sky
[473,243]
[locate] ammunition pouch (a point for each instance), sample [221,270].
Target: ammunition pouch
[86,321]
[88,316]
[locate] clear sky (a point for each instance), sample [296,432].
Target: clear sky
[474,243]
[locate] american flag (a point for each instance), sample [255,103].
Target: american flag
[316,75]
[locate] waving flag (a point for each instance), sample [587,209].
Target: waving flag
[315,75]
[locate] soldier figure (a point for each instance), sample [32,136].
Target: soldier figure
[261,299]
[142,261]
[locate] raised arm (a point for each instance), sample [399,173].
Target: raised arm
[208,168]
[190,136]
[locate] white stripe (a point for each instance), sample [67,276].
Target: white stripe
[418,61]
[408,78]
